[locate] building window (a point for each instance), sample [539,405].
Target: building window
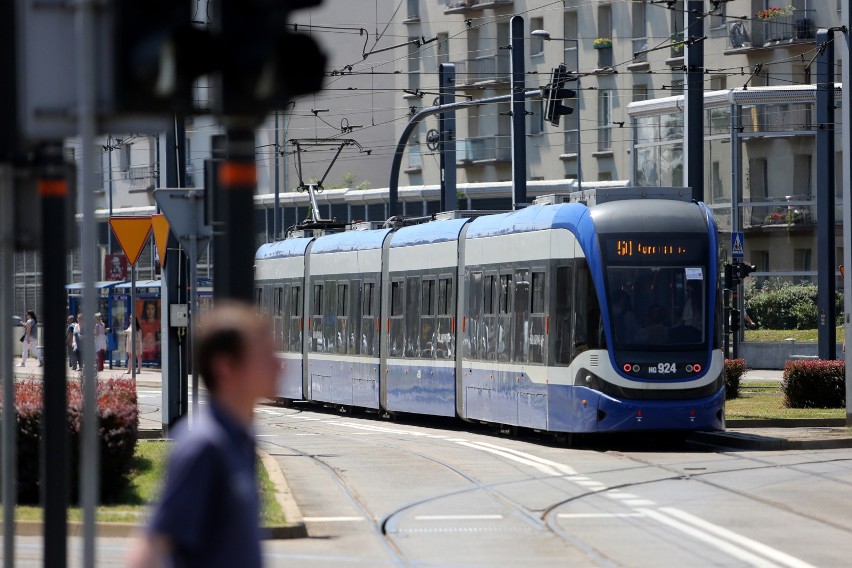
[536,43]
[604,120]
[537,118]
[802,260]
[640,93]
[569,31]
[640,40]
[719,18]
[124,156]
[718,83]
[413,64]
[802,174]
[443,48]
[413,9]
[605,21]
[676,26]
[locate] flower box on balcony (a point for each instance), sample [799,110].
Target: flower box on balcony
[771,13]
[602,43]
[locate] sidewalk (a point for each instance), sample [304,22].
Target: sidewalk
[152,378]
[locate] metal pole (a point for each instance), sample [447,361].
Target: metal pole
[10,442]
[276,222]
[519,114]
[846,107]
[109,181]
[826,330]
[693,124]
[396,163]
[193,316]
[447,128]
[53,191]
[87,56]
[579,145]
[132,362]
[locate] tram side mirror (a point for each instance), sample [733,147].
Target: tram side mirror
[178,315]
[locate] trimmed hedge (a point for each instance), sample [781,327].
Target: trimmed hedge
[789,306]
[733,371]
[814,384]
[118,417]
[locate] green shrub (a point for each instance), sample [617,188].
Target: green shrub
[733,371]
[788,306]
[118,417]
[814,384]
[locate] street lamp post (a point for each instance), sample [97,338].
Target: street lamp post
[545,35]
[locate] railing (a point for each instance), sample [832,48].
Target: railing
[140,177]
[483,148]
[799,26]
[488,68]
[789,211]
[640,44]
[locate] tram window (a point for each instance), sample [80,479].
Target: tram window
[474,310]
[396,298]
[352,330]
[342,296]
[445,296]
[520,317]
[258,298]
[538,292]
[427,306]
[488,295]
[503,293]
[588,325]
[296,301]
[562,314]
[412,315]
[279,304]
[367,299]
[317,303]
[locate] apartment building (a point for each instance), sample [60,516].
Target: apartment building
[606,42]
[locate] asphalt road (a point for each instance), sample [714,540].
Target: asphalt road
[378,492]
[382,493]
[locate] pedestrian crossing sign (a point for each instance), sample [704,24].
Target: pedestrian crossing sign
[737,241]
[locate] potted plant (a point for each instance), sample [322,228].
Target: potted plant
[602,43]
[772,13]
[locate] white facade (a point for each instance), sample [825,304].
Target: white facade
[474,34]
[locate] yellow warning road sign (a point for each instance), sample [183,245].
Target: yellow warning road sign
[160,225]
[132,234]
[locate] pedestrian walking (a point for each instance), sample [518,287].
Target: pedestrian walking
[69,343]
[208,512]
[79,340]
[128,338]
[30,340]
[100,340]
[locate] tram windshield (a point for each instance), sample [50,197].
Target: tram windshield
[658,293]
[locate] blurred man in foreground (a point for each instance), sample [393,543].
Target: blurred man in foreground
[208,513]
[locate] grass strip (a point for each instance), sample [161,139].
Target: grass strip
[763,400]
[149,468]
[800,335]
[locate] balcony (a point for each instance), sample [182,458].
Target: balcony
[467,6]
[770,213]
[483,149]
[141,177]
[796,27]
[485,69]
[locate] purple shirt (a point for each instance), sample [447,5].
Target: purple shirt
[209,508]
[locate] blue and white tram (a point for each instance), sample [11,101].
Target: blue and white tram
[571,317]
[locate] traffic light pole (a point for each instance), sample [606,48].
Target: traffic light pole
[447,130]
[519,114]
[826,324]
[53,192]
[9,430]
[402,143]
[237,178]
[693,132]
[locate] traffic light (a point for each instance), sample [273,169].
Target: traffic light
[743,270]
[265,62]
[554,93]
[729,277]
[157,54]
[735,319]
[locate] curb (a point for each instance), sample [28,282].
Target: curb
[787,423]
[295,526]
[75,528]
[742,441]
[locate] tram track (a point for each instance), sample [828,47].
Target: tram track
[536,518]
